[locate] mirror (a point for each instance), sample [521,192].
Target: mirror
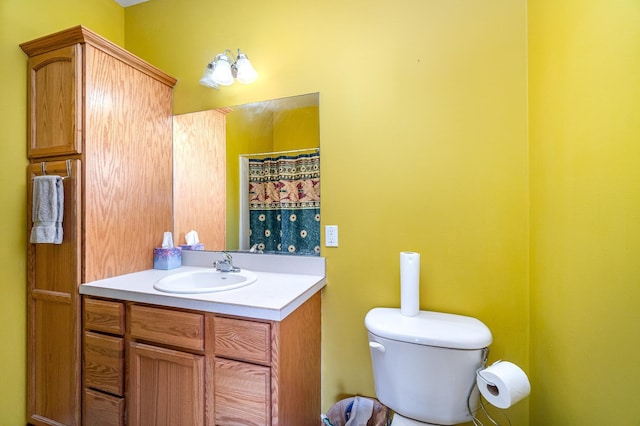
[281,134]
[239,138]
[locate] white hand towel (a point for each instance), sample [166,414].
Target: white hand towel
[360,412]
[48,209]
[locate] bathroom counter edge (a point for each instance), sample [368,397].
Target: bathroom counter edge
[272,297]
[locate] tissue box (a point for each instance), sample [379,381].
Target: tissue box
[167,258]
[197,246]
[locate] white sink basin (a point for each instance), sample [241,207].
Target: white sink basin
[204,281]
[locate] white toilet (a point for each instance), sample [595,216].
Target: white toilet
[425,366]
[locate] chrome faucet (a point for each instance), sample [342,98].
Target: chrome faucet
[226,264]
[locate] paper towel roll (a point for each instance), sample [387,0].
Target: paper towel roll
[409,283]
[503,384]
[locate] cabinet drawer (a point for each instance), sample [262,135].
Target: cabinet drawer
[102,410]
[104,315]
[166,326]
[104,362]
[241,394]
[243,340]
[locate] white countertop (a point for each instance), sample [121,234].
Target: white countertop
[273,296]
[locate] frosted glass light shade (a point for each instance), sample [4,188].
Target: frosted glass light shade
[226,67]
[222,71]
[207,78]
[246,73]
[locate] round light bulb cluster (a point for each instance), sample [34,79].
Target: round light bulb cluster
[225,68]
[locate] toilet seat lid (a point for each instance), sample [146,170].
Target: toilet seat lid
[429,328]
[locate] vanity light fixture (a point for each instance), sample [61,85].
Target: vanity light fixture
[225,67]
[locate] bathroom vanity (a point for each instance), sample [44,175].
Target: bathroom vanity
[104,347]
[247,356]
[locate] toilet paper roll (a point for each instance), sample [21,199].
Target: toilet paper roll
[503,384]
[409,283]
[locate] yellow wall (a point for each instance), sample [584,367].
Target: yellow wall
[296,129]
[246,132]
[21,21]
[424,147]
[584,96]
[424,144]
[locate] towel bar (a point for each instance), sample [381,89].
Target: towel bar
[43,168]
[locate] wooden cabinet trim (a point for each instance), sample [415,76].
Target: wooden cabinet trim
[81,34]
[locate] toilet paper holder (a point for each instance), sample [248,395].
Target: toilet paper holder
[503,384]
[484,367]
[491,387]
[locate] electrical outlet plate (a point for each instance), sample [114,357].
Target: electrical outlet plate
[331,236]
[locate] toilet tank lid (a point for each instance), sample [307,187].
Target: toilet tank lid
[429,328]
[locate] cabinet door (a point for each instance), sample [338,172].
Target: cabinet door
[242,394]
[53,319]
[166,387]
[55,103]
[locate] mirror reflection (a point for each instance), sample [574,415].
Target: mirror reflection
[247,177]
[273,176]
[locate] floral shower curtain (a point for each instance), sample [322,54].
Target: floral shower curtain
[284,204]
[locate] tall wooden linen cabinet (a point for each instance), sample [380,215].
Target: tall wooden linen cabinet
[101,118]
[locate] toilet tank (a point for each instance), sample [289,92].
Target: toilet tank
[425,366]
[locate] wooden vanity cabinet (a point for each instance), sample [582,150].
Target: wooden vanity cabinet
[101,118]
[191,368]
[167,366]
[268,372]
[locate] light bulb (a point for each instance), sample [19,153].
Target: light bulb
[222,71]
[246,73]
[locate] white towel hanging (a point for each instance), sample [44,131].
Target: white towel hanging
[48,209]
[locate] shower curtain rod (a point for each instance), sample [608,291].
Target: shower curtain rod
[293,151]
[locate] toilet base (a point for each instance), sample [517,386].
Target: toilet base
[398,420]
